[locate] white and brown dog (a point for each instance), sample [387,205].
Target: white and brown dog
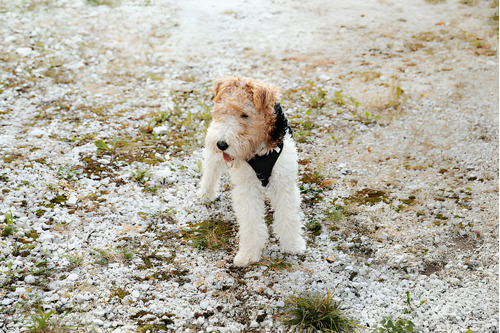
[250,137]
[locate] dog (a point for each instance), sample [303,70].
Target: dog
[249,137]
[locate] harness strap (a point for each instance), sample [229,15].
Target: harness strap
[263,165]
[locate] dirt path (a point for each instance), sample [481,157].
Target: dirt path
[103,109]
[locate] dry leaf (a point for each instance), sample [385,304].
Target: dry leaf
[331,259]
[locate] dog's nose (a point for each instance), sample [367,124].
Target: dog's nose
[222,145]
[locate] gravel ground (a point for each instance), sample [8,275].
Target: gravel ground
[103,109]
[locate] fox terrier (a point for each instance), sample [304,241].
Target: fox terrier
[250,138]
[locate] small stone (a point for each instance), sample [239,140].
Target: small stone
[7,301]
[135,294]
[30,279]
[331,259]
[72,200]
[161,130]
[72,277]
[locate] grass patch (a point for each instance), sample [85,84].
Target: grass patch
[211,234]
[369,197]
[318,313]
[276,266]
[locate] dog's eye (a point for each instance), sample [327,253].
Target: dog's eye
[244,116]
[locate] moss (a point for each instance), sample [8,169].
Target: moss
[212,234]
[40,212]
[314,227]
[369,197]
[9,158]
[59,200]
[119,293]
[177,275]
[155,327]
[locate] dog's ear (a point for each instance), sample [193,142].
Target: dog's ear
[264,96]
[220,85]
[281,126]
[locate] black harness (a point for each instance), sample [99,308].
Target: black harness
[263,165]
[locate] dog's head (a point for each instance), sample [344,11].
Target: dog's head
[245,121]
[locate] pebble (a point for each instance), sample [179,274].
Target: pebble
[72,200]
[30,279]
[7,301]
[161,130]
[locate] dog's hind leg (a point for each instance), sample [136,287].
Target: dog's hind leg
[285,201]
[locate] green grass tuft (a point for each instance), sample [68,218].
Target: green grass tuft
[318,313]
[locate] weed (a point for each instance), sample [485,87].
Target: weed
[40,321]
[369,118]
[318,313]
[311,193]
[408,301]
[103,257]
[127,253]
[141,176]
[8,228]
[67,172]
[399,325]
[103,146]
[74,261]
[47,321]
[11,275]
[317,98]
[389,325]
[339,99]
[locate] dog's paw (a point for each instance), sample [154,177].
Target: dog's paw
[245,258]
[294,246]
[205,195]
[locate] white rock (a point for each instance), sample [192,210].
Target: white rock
[30,279]
[72,277]
[72,200]
[7,301]
[80,298]
[45,237]
[24,51]
[161,130]
[135,294]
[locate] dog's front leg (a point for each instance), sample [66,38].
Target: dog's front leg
[211,168]
[249,206]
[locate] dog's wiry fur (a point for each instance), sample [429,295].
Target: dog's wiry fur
[242,127]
